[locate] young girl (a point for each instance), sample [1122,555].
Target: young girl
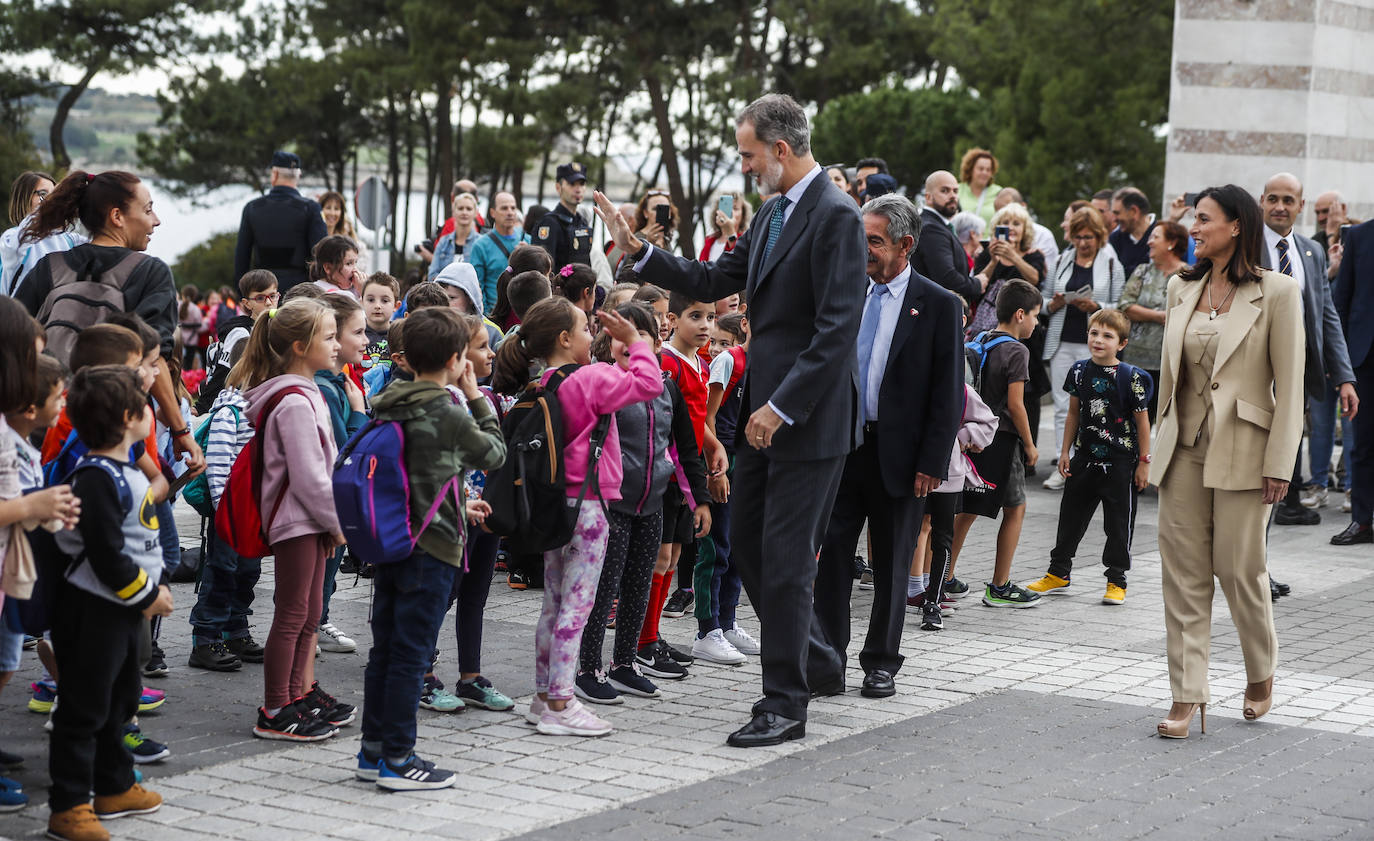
[657,300]
[648,432]
[334,266]
[555,331]
[347,414]
[191,320]
[287,347]
[577,283]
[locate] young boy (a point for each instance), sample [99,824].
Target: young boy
[110,590]
[1109,424]
[381,295]
[411,597]
[257,295]
[1001,381]
[524,291]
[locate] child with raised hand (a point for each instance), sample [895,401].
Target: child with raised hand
[555,331]
[347,415]
[109,590]
[656,440]
[287,347]
[1109,427]
[410,597]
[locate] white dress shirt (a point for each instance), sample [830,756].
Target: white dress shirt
[889,310]
[1271,242]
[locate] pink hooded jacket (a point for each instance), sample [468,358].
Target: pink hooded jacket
[602,389]
[298,441]
[976,429]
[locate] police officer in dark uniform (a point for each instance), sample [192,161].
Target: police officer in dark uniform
[565,233]
[278,231]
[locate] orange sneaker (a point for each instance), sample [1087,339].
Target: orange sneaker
[78,823]
[136,801]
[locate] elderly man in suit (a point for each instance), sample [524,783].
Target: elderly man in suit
[1354,298]
[1328,362]
[802,266]
[939,255]
[911,397]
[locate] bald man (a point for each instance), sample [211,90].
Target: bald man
[1328,376]
[491,253]
[939,254]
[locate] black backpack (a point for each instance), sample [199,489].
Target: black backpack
[82,297]
[528,494]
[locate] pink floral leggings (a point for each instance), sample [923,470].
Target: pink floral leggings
[571,575]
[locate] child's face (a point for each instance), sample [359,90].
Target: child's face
[480,354]
[379,305]
[721,341]
[259,302]
[693,325]
[457,298]
[1104,344]
[580,339]
[146,367]
[342,273]
[1026,325]
[46,414]
[620,351]
[727,305]
[661,317]
[323,352]
[352,340]
[140,426]
[213,300]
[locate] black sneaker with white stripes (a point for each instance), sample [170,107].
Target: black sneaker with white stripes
[414,775]
[294,723]
[327,708]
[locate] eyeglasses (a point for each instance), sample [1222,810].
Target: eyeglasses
[656,193]
[1085,238]
[266,298]
[42,194]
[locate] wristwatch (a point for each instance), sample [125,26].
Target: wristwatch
[1144,459]
[179,433]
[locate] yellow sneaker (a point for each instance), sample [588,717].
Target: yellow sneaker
[1114,595]
[1049,584]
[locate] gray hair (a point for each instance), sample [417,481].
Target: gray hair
[965,223]
[902,218]
[777,116]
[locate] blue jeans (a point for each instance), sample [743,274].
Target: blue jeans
[1322,442]
[332,562]
[409,600]
[168,537]
[226,593]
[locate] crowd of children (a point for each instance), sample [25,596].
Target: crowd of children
[647,391]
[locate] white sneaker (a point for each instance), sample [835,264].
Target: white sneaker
[333,640]
[572,720]
[1345,506]
[714,648]
[743,643]
[537,709]
[1054,483]
[1313,496]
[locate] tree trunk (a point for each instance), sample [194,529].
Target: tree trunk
[658,103]
[393,165]
[410,173]
[61,161]
[443,139]
[543,172]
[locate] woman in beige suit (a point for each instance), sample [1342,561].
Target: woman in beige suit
[1230,424]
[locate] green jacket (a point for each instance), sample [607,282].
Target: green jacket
[442,441]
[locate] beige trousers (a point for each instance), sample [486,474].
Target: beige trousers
[1205,533]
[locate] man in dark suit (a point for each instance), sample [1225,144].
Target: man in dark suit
[910,389]
[938,254]
[801,264]
[1328,361]
[1354,298]
[278,231]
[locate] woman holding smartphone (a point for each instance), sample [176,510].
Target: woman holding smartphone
[1010,254]
[730,220]
[656,218]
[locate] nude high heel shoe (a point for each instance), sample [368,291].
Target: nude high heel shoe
[1177,728]
[1255,708]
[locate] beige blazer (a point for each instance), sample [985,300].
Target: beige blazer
[1257,385]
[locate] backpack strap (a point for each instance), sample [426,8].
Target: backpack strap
[1125,372]
[88,462]
[496,238]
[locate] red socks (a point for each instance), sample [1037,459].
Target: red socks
[658,594]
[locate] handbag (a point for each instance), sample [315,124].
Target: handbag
[993,465]
[20,571]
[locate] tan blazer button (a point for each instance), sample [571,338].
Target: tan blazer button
[1216,386]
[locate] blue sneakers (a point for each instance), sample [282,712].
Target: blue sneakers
[415,775]
[12,796]
[367,765]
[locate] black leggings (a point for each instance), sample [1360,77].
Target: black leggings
[470,591]
[941,509]
[631,551]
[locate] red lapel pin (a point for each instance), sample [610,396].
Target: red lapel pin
[914,311]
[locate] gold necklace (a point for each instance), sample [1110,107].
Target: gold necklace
[1214,307]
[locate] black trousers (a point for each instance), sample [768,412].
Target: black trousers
[783,509]
[96,643]
[941,508]
[894,523]
[1112,484]
[1362,457]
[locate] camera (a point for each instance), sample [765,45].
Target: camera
[427,245]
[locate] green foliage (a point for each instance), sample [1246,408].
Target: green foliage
[17,152]
[210,264]
[1075,92]
[915,131]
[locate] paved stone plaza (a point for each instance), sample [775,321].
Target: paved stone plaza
[1033,723]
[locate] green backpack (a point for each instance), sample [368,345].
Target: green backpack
[197,491]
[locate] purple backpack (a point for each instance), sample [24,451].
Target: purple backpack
[372,495]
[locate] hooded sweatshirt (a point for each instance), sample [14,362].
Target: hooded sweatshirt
[464,276]
[602,389]
[298,441]
[976,429]
[442,441]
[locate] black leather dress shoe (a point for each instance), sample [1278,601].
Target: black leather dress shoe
[1296,515]
[1283,589]
[1273,591]
[767,729]
[1354,533]
[878,684]
[826,688]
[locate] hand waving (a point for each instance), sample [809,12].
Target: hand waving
[616,224]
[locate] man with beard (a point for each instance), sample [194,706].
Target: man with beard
[939,254]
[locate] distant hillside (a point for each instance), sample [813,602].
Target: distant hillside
[101,128]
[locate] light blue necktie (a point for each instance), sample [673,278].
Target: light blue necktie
[1285,265]
[868,331]
[775,225]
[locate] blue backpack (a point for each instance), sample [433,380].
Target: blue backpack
[976,354]
[372,495]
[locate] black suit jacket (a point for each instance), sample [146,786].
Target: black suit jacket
[1354,292]
[805,304]
[1327,356]
[920,401]
[940,257]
